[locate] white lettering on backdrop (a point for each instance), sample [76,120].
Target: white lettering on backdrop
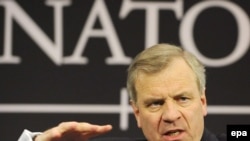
[53,49]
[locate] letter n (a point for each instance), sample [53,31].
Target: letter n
[14,12]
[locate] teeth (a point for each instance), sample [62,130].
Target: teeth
[174,133]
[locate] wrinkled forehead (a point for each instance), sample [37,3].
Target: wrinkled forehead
[176,73]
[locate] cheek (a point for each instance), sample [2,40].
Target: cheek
[198,113]
[198,109]
[150,125]
[195,119]
[193,115]
[150,120]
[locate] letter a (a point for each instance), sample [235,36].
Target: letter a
[99,10]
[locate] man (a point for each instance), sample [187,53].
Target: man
[167,93]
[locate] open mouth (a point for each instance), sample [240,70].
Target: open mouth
[173,133]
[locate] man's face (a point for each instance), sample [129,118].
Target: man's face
[169,105]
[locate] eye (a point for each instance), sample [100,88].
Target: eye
[156,103]
[183,100]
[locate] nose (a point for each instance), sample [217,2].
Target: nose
[171,112]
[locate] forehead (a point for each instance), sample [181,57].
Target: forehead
[175,77]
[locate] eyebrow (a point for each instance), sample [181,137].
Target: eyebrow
[183,94]
[152,99]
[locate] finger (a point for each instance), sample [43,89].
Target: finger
[97,130]
[82,127]
[73,130]
[83,130]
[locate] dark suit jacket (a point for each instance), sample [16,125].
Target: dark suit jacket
[207,136]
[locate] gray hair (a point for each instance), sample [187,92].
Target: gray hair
[155,59]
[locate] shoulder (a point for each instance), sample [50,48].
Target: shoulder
[222,137]
[209,136]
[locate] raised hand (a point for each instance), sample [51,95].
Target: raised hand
[73,131]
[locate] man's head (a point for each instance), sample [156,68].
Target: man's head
[167,90]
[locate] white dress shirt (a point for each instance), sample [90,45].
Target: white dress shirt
[28,136]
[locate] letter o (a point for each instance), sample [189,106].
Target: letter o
[243,41]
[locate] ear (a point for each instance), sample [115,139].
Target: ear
[204,103]
[136,112]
